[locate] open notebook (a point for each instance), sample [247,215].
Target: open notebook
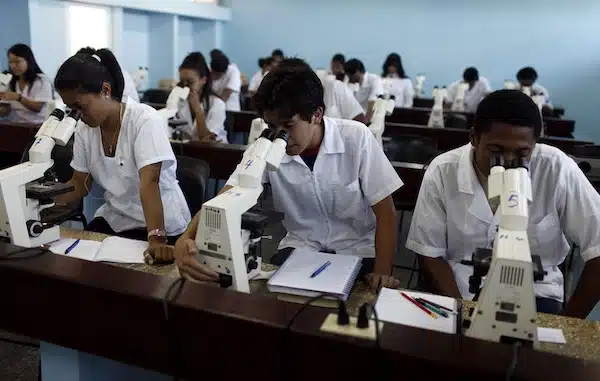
[294,276]
[112,249]
[392,307]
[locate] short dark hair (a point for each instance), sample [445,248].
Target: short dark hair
[471,74]
[353,66]
[266,61]
[508,106]
[277,53]
[33,69]
[527,73]
[338,57]
[87,74]
[291,88]
[87,50]
[219,63]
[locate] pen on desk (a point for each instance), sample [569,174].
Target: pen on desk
[449,310]
[70,248]
[432,308]
[410,299]
[320,269]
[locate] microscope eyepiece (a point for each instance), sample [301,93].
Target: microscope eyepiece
[496,160]
[58,114]
[521,162]
[75,114]
[267,134]
[283,135]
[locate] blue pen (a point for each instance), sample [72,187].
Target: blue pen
[71,247]
[320,269]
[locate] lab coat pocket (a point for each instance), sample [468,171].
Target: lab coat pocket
[349,205]
[543,237]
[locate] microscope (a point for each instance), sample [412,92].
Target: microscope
[509,84]
[506,310]
[225,235]
[382,108]
[419,84]
[459,98]
[5,79]
[176,95]
[256,129]
[27,193]
[436,118]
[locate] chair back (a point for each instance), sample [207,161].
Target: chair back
[193,175]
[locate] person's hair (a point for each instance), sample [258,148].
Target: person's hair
[527,73]
[353,66]
[510,107]
[216,53]
[87,50]
[277,53]
[33,69]
[219,63]
[195,61]
[291,88]
[86,73]
[393,60]
[471,74]
[266,61]
[338,57]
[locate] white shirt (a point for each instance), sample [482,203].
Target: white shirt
[256,80]
[453,217]
[370,88]
[330,207]
[142,141]
[537,89]
[402,90]
[214,119]
[129,90]
[231,79]
[339,100]
[40,91]
[473,96]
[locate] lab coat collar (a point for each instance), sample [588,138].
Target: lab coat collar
[469,183]
[332,142]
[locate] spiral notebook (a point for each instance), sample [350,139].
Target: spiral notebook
[294,276]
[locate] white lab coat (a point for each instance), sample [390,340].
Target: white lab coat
[232,79]
[330,207]
[214,118]
[256,80]
[370,88]
[402,90]
[40,91]
[453,217]
[129,91]
[538,89]
[473,96]
[142,141]
[339,100]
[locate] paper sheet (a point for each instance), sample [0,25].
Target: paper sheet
[551,335]
[121,250]
[84,250]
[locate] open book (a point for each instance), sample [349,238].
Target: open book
[112,249]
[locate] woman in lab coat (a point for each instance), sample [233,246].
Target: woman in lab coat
[29,89]
[203,111]
[227,80]
[395,81]
[124,148]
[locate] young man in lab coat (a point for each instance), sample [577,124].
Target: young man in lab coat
[453,216]
[370,85]
[479,87]
[334,184]
[527,77]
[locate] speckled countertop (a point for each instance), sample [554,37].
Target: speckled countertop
[583,336]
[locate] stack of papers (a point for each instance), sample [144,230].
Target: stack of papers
[337,278]
[112,249]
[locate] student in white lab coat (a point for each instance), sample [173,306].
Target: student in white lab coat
[130,91]
[527,77]
[266,65]
[227,80]
[370,85]
[334,184]
[124,148]
[479,87]
[29,89]
[340,103]
[203,111]
[401,86]
[453,216]
[337,67]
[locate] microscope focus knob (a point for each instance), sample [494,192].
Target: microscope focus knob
[252,264]
[34,228]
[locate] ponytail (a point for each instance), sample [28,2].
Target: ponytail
[108,59]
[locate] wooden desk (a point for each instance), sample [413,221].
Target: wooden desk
[117,313]
[14,137]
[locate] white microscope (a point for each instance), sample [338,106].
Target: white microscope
[458,105]
[436,118]
[382,108]
[222,239]
[419,84]
[24,192]
[506,309]
[176,95]
[5,79]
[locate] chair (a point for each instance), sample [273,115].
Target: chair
[193,175]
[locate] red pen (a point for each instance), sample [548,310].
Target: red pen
[419,305]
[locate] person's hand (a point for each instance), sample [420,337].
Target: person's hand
[377,281]
[189,267]
[9,96]
[209,138]
[158,253]
[194,102]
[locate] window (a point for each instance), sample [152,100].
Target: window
[89,26]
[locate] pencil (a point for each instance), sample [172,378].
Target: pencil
[432,308]
[449,310]
[419,305]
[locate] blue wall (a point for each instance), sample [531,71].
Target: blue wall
[14,23]
[438,37]
[135,50]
